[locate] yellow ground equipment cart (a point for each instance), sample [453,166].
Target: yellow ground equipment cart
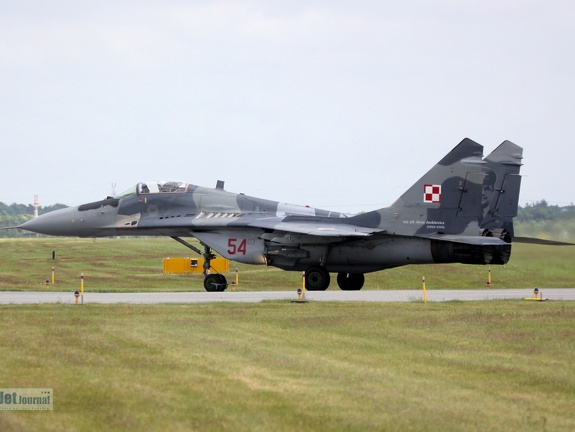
[194,265]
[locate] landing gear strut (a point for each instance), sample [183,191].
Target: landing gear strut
[212,282]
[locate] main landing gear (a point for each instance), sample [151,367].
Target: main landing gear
[213,282]
[317,279]
[350,281]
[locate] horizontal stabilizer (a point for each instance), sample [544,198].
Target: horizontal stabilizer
[532,240]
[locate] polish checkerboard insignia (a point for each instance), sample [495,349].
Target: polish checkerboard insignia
[431,193]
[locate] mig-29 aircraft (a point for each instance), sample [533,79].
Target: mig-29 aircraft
[461,211]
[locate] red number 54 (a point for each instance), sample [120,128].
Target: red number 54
[235,248]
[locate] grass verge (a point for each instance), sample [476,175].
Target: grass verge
[135,264]
[499,365]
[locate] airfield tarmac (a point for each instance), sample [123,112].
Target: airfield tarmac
[16,297]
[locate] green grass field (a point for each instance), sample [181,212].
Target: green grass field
[477,366]
[128,264]
[453,366]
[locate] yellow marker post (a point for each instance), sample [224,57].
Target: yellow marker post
[488,284]
[76,294]
[424,290]
[235,283]
[303,281]
[53,276]
[47,284]
[82,287]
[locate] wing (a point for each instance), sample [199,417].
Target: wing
[320,228]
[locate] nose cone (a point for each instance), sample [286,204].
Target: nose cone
[63,222]
[88,220]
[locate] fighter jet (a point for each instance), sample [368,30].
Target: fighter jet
[460,211]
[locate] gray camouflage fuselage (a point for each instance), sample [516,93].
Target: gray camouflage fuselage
[447,216]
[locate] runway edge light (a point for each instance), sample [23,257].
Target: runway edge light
[537,296]
[300,296]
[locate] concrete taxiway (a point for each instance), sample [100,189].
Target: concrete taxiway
[14,297]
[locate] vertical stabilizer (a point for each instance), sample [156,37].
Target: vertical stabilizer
[501,186]
[446,200]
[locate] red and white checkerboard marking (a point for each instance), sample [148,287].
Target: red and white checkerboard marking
[432,194]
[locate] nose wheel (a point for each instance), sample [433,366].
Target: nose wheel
[215,283]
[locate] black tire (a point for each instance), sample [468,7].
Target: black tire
[350,281]
[215,283]
[222,282]
[316,279]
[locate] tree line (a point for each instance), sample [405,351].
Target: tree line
[17,214]
[541,211]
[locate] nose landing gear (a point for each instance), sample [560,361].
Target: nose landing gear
[212,282]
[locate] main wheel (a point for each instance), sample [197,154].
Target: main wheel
[350,281]
[215,282]
[316,278]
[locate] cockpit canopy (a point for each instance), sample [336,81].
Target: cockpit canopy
[155,187]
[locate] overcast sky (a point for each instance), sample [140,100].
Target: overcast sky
[334,104]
